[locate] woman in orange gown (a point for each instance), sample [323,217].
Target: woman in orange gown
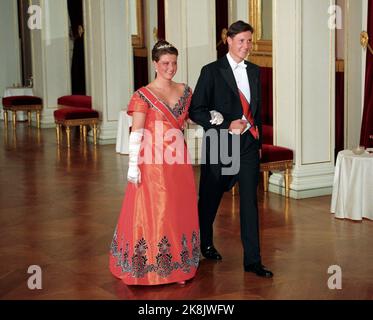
[156,240]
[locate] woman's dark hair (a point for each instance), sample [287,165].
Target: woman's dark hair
[163,47]
[238,27]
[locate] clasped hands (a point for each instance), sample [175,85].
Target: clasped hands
[238,126]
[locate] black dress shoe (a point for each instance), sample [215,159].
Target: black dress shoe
[211,253]
[259,270]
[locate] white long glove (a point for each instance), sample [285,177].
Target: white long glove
[134,173]
[216,117]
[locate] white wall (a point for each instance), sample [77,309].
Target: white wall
[340,33]
[151,22]
[10,67]
[315,64]
[238,10]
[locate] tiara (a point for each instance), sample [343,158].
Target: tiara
[165,46]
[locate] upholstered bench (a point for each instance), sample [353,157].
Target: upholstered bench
[22,103]
[276,158]
[78,101]
[76,110]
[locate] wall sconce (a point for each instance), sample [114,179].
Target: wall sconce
[364,41]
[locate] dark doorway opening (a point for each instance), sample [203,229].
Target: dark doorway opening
[221,12]
[161,21]
[25,43]
[78,83]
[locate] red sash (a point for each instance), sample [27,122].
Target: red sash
[160,107]
[249,116]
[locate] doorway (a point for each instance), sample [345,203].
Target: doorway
[78,81]
[221,12]
[25,43]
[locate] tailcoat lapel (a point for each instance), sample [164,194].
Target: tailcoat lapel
[227,73]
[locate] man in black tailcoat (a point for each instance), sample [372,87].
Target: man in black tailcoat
[230,87]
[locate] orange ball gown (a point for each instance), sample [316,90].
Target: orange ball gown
[156,240]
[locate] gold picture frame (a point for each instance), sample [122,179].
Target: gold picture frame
[138,36]
[260,46]
[137,29]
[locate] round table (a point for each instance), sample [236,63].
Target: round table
[352,196]
[124,124]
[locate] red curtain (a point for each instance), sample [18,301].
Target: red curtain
[161,20]
[366,136]
[339,112]
[266,79]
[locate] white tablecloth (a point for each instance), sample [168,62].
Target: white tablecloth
[124,123]
[21,91]
[353,186]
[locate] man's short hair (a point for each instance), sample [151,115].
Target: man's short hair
[238,27]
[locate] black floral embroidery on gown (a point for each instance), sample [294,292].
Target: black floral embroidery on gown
[185,255]
[164,258]
[139,259]
[178,109]
[164,266]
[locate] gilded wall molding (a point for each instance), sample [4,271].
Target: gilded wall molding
[261,46]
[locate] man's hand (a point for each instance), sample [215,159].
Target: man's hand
[216,118]
[238,126]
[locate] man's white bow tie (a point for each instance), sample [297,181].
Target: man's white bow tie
[241,65]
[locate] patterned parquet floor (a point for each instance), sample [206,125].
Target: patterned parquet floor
[59,207]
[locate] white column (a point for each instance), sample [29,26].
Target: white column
[304,89]
[50,57]
[190,26]
[10,65]
[110,61]
[151,22]
[354,71]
